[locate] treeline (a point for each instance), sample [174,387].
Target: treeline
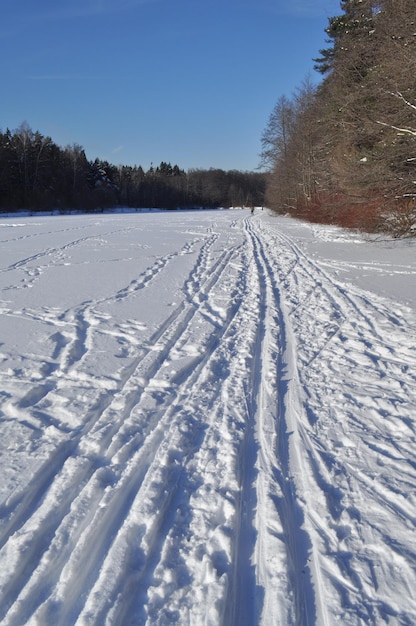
[345,152]
[37,174]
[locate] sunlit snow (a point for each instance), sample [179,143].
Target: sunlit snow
[206,418]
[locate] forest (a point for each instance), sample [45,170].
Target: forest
[340,150]
[36,174]
[344,151]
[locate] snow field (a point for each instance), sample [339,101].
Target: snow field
[206,418]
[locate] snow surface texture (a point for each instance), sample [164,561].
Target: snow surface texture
[206,418]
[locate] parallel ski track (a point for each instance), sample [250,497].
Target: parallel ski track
[278,459]
[355,327]
[251,407]
[62,504]
[70,360]
[255,556]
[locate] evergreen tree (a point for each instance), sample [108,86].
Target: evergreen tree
[36,174]
[346,30]
[358,134]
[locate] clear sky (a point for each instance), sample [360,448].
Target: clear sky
[191,82]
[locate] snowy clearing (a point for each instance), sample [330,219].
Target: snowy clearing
[206,418]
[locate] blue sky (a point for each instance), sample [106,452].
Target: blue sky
[143,81]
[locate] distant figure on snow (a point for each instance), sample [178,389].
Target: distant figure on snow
[252,210]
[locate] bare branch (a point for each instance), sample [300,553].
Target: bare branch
[405,131]
[399,95]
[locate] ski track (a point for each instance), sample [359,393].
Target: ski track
[251,461]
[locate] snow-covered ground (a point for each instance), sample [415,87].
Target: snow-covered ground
[206,418]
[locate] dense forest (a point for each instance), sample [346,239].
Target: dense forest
[37,174]
[344,151]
